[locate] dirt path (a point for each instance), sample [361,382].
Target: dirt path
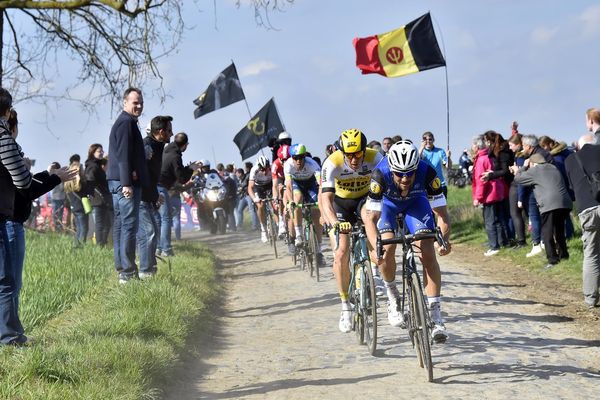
[276,337]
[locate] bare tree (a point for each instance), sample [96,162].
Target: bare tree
[110,43]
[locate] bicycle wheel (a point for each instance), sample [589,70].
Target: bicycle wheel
[421,333]
[359,325]
[353,297]
[313,250]
[272,232]
[369,309]
[308,248]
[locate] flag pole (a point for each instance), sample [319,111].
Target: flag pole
[447,89]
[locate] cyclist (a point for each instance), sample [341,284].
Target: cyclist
[345,179]
[283,153]
[401,183]
[302,175]
[260,185]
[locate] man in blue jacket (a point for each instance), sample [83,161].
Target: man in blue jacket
[127,173]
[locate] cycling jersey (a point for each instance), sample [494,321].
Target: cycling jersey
[337,176]
[309,170]
[277,170]
[425,193]
[260,178]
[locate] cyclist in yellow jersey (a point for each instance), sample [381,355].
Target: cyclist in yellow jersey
[345,179]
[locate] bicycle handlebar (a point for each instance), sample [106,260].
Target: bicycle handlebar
[408,239]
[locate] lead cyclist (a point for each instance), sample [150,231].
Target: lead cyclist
[402,183]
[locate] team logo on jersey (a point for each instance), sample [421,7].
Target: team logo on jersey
[436,184]
[375,187]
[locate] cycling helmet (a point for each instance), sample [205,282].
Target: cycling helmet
[284,135]
[262,162]
[205,163]
[403,156]
[297,149]
[283,153]
[352,141]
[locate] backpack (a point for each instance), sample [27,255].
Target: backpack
[74,186]
[593,179]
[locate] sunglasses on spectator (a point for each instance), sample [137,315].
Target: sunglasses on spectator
[352,156]
[404,174]
[298,157]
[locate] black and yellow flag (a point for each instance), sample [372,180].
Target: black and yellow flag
[265,125]
[224,90]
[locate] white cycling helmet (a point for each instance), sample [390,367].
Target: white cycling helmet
[403,156]
[262,162]
[205,163]
[284,135]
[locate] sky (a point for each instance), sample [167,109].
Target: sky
[532,61]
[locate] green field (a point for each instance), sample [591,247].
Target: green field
[94,338]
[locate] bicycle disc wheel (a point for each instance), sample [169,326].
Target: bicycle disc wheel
[369,309]
[421,328]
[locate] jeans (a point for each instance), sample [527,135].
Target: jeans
[590,236]
[58,210]
[493,226]
[82,225]
[176,215]
[11,330]
[534,217]
[147,236]
[244,202]
[101,216]
[516,214]
[16,242]
[125,226]
[164,243]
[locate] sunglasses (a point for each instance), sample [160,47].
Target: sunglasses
[297,158]
[352,156]
[404,174]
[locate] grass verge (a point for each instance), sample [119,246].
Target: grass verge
[96,339]
[468,228]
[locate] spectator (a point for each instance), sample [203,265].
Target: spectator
[502,158]
[593,122]
[329,149]
[127,173]
[172,171]
[530,147]
[554,203]
[588,210]
[97,187]
[246,200]
[387,143]
[375,145]
[58,196]
[14,175]
[149,226]
[559,152]
[488,194]
[76,190]
[514,128]
[436,157]
[396,139]
[516,195]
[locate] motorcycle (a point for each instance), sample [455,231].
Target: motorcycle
[211,197]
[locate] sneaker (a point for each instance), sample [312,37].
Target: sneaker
[320,260]
[379,285]
[535,250]
[345,324]
[167,253]
[438,333]
[22,341]
[123,279]
[491,252]
[549,266]
[146,275]
[291,249]
[299,241]
[395,317]
[263,237]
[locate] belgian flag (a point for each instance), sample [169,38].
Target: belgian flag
[412,48]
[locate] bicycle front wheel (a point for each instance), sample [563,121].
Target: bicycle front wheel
[421,328]
[309,248]
[313,250]
[369,309]
[272,231]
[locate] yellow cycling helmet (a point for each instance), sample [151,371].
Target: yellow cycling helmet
[352,141]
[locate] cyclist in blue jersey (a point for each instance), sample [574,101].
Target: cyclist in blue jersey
[402,183]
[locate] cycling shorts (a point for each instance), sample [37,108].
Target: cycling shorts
[418,216]
[308,188]
[263,191]
[348,210]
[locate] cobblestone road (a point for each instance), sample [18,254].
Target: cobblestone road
[276,338]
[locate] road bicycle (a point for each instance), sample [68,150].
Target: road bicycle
[306,252]
[416,314]
[361,290]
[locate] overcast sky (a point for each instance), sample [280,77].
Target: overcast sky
[532,61]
